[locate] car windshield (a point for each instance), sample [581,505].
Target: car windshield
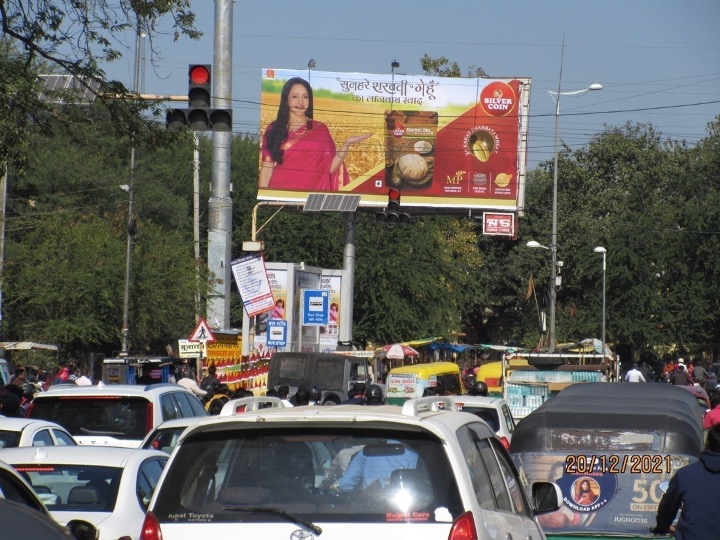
[318,474]
[112,416]
[74,488]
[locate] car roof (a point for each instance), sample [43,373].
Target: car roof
[435,413]
[110,389]
[76,455]
[489,401]
[19,424]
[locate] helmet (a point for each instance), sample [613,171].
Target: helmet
[479,388]
[374,395]
[315,394]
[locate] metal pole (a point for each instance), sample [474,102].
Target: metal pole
[125,348]
[553,241]
[347,285]
[3,197]
[603,306]
[196,219]
[220,204]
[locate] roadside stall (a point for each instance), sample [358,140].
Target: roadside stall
[608,447]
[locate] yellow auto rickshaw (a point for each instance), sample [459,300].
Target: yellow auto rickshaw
[408,382]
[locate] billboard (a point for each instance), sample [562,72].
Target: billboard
[444,142]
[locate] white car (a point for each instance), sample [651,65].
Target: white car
[16,432]
[107,487]
[419,471]
[165,436]
[114,414]
[493,410]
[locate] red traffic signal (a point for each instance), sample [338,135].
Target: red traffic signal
[393,214]
[199,86]
[199,74]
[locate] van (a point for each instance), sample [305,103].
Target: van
[333,374]
[408,382]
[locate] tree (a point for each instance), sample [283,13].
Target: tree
[75,38]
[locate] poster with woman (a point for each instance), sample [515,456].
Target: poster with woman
[443,141]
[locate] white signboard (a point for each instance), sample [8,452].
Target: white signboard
[252,282]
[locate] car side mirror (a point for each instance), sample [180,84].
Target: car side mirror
[546,497]
[82,530]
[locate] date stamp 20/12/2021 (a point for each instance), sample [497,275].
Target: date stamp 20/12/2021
[618,464]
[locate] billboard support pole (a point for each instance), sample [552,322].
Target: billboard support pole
[347,285]
[220,204]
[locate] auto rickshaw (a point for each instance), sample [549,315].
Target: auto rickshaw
[408,382]
[608,447]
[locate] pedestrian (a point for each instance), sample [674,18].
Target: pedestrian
[210,382]
[283,393]
[699,373]
[694,490]
[647,372]
[184,371]
[10,405]
[713,416]
[301,397]
[356,395]
[634,375]
[83,379]
[145,378]
[680,377]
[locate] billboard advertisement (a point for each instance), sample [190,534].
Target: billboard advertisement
[444,142]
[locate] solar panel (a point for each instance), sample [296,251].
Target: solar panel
[67,89]
[331,202]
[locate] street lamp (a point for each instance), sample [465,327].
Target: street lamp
[602,250]
[553,242]
[553,288]
[312,64]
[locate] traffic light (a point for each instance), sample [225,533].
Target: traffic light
[199,116]
[393,214]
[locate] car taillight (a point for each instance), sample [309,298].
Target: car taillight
[151,528]
[462,529]
[149,418]
[505,443]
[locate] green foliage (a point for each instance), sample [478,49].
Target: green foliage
[75,39]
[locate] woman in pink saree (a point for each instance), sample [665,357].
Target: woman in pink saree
[298,152]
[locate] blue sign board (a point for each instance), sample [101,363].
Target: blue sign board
[276,333]
[315,307]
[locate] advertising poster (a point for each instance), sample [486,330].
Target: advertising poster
[444,142]
[329,334]
[603,493]
[278,311]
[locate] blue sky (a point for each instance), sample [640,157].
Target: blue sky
[659,61]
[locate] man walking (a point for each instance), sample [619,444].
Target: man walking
[634,375]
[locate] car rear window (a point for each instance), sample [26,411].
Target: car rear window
[9,439]
[317,474]
[78,488]
[118,417]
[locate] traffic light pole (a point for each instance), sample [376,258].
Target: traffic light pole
[220,204]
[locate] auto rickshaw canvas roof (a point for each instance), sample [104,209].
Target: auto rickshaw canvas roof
[669,412]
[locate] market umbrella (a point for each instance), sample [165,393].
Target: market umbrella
[398,351]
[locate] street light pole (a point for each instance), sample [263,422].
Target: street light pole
[553,240]
[131,226]
[602,250]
